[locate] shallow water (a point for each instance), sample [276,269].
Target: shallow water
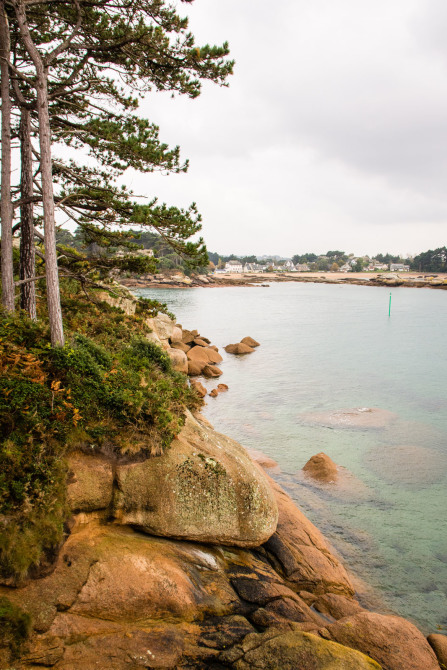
[327,348]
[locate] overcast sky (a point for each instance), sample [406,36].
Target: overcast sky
[331,135]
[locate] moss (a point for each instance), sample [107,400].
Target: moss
[14,626]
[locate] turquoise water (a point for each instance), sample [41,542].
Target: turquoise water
[327,348]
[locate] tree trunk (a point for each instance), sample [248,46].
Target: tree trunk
[6,204]
[27,250]
[51,270]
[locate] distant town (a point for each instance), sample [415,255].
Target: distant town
[332,261]
[148,245]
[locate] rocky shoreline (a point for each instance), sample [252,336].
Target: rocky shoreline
[198,559]
[408,280]
[195,558]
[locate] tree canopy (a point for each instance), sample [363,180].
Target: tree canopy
[79,69]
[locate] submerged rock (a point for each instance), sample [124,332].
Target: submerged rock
[203,488]
[359,417]
[321,468]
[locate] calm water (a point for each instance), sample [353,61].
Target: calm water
[326,348]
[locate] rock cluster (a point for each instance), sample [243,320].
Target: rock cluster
[245,346]
[189,352]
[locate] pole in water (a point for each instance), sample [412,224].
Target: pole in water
[389,308]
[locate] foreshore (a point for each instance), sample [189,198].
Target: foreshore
[407,279]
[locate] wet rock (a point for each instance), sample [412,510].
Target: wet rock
[321,468]
[250,342]
[222,388]
[393,642]
[238,349]
[211,492]
[214,393]
[439,645]
[211,371]
[300,552]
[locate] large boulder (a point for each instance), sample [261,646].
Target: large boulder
[203,488]
[393,642]
[178,360]
[198,355]
[321,468]
[90,484]
[294,650]
[162,325]
[176,335]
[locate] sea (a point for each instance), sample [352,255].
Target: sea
[328,354]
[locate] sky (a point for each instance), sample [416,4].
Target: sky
[332,133]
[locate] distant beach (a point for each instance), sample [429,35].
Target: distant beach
[405,279]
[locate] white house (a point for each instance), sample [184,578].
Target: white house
[234,266]
[399,267]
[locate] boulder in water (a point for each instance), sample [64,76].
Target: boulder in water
[321,468]
[250,342]
[238,349]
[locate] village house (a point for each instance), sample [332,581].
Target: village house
[399,267]
[234,266]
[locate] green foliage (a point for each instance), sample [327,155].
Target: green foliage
[14,626]
[108,387]
[431,261]
[150,307]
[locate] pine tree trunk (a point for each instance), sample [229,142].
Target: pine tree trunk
[27,250]
[51,270]
[6,204]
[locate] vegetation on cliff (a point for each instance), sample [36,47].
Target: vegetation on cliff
[108,389]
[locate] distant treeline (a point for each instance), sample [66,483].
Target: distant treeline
[427,261]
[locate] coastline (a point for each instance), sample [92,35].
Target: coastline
[257,280]
[217,568]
